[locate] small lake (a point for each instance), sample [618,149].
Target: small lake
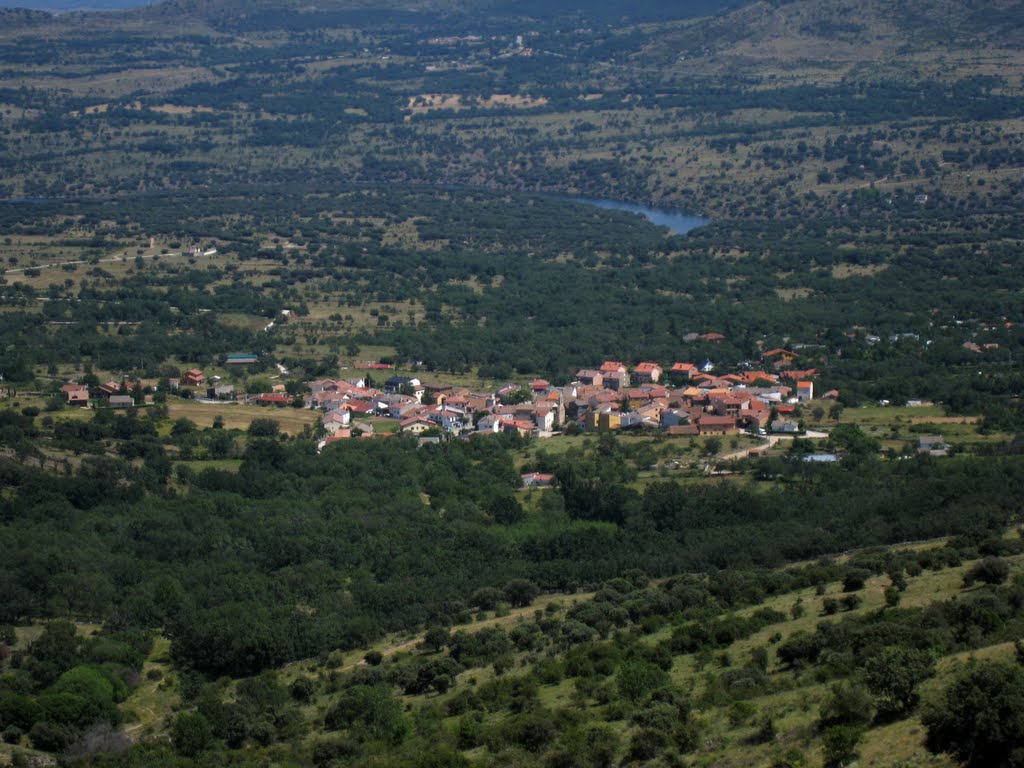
[678,222]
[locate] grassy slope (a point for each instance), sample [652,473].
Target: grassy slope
[793,702]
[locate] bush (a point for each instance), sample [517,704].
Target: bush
[855,579]
[263,427]
[893,676]
[302,689]
[190,734]
[839,745]
[521,592]
[848,704]
[647,744]
[636,679]
[991,570]
[979,717]
[486,598]
[51,737]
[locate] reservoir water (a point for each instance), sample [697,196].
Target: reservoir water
[679,223]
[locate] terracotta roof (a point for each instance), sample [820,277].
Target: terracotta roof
[646,367]
[275,398]
[522,425]
[684,430]
[406,423]
[709,420]
[358,406]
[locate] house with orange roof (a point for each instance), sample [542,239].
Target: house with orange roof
[804,391]
[522,428]
[784,354]
[751,378]
[109,388]
[193,377]
[709,424]
[683,370]
[757,415]
[273,398]
[361,407]
[729,405]
[416,425]
[335,420]
[647,372]
[613,366]
[713,337]
[537,479]
[683,430]
[76,394]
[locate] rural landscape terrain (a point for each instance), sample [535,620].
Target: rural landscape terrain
[351,413]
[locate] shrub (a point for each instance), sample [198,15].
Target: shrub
[190,734]
[991,570]
[979,717]
[521,592]
[855,579]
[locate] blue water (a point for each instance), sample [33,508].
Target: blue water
[678,222]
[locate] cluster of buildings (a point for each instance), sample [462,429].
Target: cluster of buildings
[681,399]
[121,394]
[684,399]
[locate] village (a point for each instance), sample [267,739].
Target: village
[683,399]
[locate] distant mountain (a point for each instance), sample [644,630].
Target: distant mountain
[63,6]
[848,30]
[604,11]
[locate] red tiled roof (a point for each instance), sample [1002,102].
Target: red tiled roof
[276,399]
[358,406]
[708,420]
[683,430]
[524,425]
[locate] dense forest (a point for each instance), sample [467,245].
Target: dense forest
[390,536]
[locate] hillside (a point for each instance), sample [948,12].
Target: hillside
[737,669]
[861,24]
